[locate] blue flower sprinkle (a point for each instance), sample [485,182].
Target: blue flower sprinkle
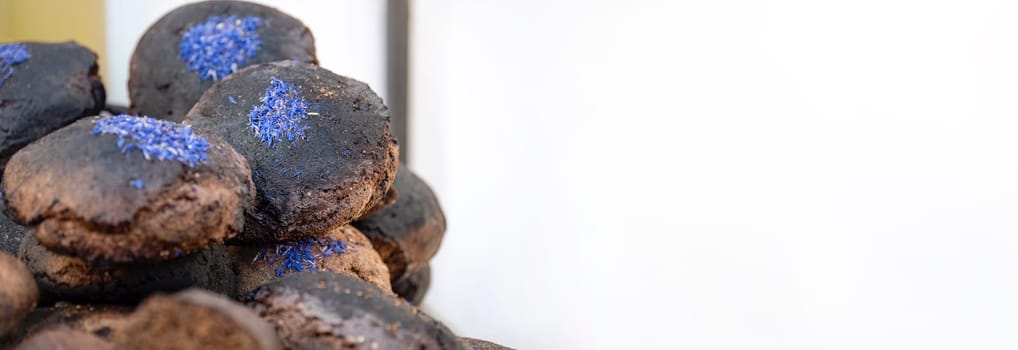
[301,255]
[217,47]
[11,54]
[155,138]
[281,114]
[137,183]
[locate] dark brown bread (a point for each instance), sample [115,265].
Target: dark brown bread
[341,168]
[69,278]
[322,310]
[387,200]
[160,85]
[102,321]
[258,264]
[414,286]
[73,190]
[408,233]
[195,319]
[59,84]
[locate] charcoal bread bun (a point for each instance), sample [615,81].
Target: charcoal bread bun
[44,87]
[190,48]
[318,144]
[128,189]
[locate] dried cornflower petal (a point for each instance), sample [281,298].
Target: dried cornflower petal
[281,114]
[11,54]
[302,254]
[155,138]
[217,47]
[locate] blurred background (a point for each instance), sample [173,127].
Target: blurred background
[714,174]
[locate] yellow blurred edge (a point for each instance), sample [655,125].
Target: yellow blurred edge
[83,21]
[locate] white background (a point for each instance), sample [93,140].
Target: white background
[723,174]
[706,174]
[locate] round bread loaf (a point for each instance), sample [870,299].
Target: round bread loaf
[190,48]
[127,189]
[43,87]
[318,144]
